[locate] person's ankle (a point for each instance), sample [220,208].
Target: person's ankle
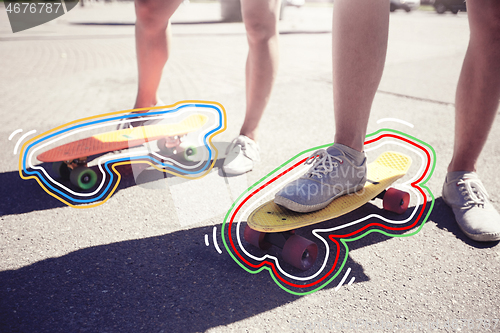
[249,134]
[353,144]
[142,104]
[454,167]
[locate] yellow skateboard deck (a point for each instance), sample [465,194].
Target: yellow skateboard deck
[385,170]
[121,139]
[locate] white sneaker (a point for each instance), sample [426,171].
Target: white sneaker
[475,215]
[241,155]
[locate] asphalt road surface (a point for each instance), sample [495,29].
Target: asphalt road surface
[139,261]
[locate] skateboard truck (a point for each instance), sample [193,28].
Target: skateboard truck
[77,172]
[173,145]
[76,162]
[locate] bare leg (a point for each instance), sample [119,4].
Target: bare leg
[477,97]
[478,88]
[360,33]
[261,23]
[152,36]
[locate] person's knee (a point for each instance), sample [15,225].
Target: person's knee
[260,30]
[144,9]
[148,15]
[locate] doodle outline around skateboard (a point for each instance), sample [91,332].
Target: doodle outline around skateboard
[69,198]
[241,208]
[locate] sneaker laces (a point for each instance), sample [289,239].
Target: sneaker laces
[473,191]
[236,142]
[323,163]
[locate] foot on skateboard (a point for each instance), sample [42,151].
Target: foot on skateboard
[273,219]
[336,171]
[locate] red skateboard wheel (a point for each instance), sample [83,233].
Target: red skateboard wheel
[396,201]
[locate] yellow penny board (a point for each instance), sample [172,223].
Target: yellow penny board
[121,139]
[385,170]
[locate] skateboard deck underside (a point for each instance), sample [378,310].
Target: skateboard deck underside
[121,139]
[384,171]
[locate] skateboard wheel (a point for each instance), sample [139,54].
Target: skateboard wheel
[61,169]
[256,238]
[189,152]
[83,177]
[300,252]
[396,201]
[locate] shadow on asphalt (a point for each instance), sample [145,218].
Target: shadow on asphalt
[24,196]
[169,283]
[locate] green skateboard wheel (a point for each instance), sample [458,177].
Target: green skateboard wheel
[83,177]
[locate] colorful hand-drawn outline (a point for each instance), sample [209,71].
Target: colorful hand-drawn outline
[299,285]
[108,187]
